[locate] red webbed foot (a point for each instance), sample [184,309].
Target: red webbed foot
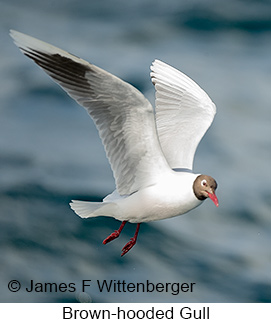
[112,236]
[115,234]
[129,245]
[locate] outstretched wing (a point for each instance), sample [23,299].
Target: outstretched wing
[123,116]
[184,112]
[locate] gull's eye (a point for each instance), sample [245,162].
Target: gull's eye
[204,182]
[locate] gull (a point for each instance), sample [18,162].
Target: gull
[151,151]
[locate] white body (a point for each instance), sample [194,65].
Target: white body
[172,195]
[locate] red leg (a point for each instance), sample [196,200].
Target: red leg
[115,234]
[131,243]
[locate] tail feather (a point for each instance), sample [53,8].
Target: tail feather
[91,209]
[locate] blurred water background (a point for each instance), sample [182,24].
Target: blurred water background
[50,151]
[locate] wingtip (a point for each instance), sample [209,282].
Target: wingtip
[156,61]
[15,35]
[20,39]
[12,31]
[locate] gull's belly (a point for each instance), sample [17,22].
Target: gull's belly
[155,203]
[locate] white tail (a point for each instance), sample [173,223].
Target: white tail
[91,209]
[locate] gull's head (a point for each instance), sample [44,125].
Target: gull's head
[204,186]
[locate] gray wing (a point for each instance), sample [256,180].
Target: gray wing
[184,112]
[123,116]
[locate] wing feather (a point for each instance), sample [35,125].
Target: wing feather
[123,116]
[184,112]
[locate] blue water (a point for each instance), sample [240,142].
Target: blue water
[50,152]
